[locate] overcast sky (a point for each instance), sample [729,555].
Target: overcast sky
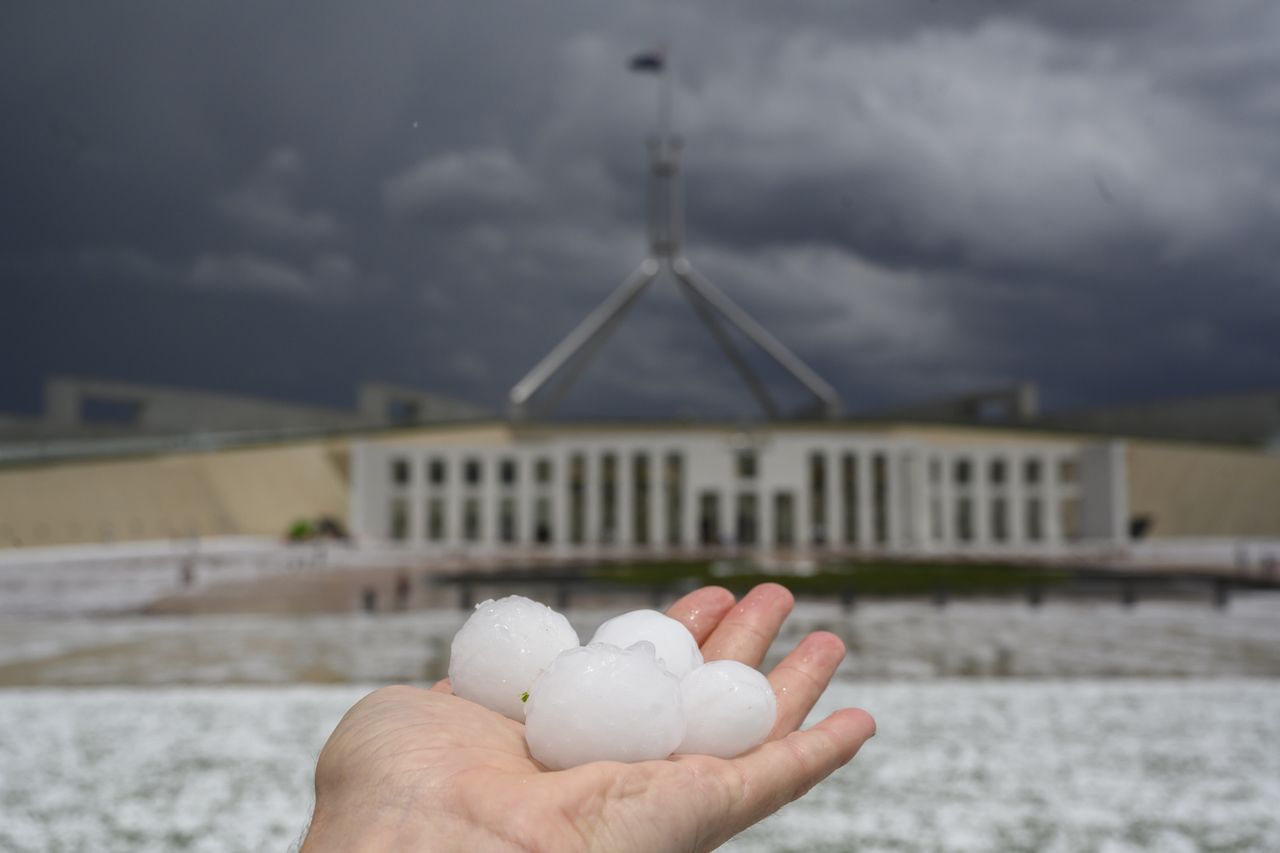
[920,198]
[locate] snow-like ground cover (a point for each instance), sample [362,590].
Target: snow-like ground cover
[957,765]
[887,640]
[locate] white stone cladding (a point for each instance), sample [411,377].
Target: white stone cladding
[879,493]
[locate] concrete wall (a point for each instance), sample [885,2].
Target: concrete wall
[254,491]
[1250,419]
[389,404]
[171,410]
[1191,490]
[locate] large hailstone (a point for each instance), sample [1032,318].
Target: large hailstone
[603,703]
[502,647]
[676,648]
[729,708]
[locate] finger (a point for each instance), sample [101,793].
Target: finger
[702,610]
[799,679]
[766,779]
[442,686]
[747,631]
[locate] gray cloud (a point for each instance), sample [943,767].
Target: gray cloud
[265,207]
[918,197]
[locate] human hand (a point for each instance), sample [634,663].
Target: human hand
[410,769]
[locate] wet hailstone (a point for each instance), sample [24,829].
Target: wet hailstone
[502,648]
[729,708]
[676,648]
[604,703]
[639,691]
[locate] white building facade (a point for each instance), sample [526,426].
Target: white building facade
[672,491]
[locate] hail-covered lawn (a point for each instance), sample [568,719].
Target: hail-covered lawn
[1069,727]
[957,765]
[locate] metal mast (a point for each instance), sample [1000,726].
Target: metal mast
[665,227]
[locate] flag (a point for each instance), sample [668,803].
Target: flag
[651,60]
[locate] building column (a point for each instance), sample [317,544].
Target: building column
[866,500]
[488,493]
[833,529]
[362,493]
[417,460]
[918,497]
[454,497]
[559,487]
[590,497]
[729,509]
[946,501]
[893,497]
[524,496]
[658,500]
[981,500]
[692,532]
[622,535]
[1050,502]
[1015,501]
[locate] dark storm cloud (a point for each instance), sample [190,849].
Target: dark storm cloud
[919,197]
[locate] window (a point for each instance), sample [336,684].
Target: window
[608,497]
[674,484]
[398,527]
[849,496]
[113,411]
[436,472]
[1035,520]
[963,471]
[747,464]
[784,530]
[577,498]
[471,520]
[435,519]
[400,471]
[471,472]
[401,410]
[1031,471]
[542,471]
[999,520]
[1070,523]
[640,498]
[1066,471]
[507,472]
[818,497]
[996,470]
[880,498]
[747,519]
[507,520]
[964,520]
[709,518]
[542,527]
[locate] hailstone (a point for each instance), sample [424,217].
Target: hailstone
[502,647]
[603,703]
[729,708]
[676,648]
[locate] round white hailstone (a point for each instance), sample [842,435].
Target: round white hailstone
[729,708]
[603,703]
[502,647]
[677,650]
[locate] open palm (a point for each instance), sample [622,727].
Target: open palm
[423,769]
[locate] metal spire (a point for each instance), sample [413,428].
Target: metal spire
[665,227]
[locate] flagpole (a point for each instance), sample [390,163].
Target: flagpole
[665,252]
[664,107]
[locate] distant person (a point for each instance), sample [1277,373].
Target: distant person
[413,769]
